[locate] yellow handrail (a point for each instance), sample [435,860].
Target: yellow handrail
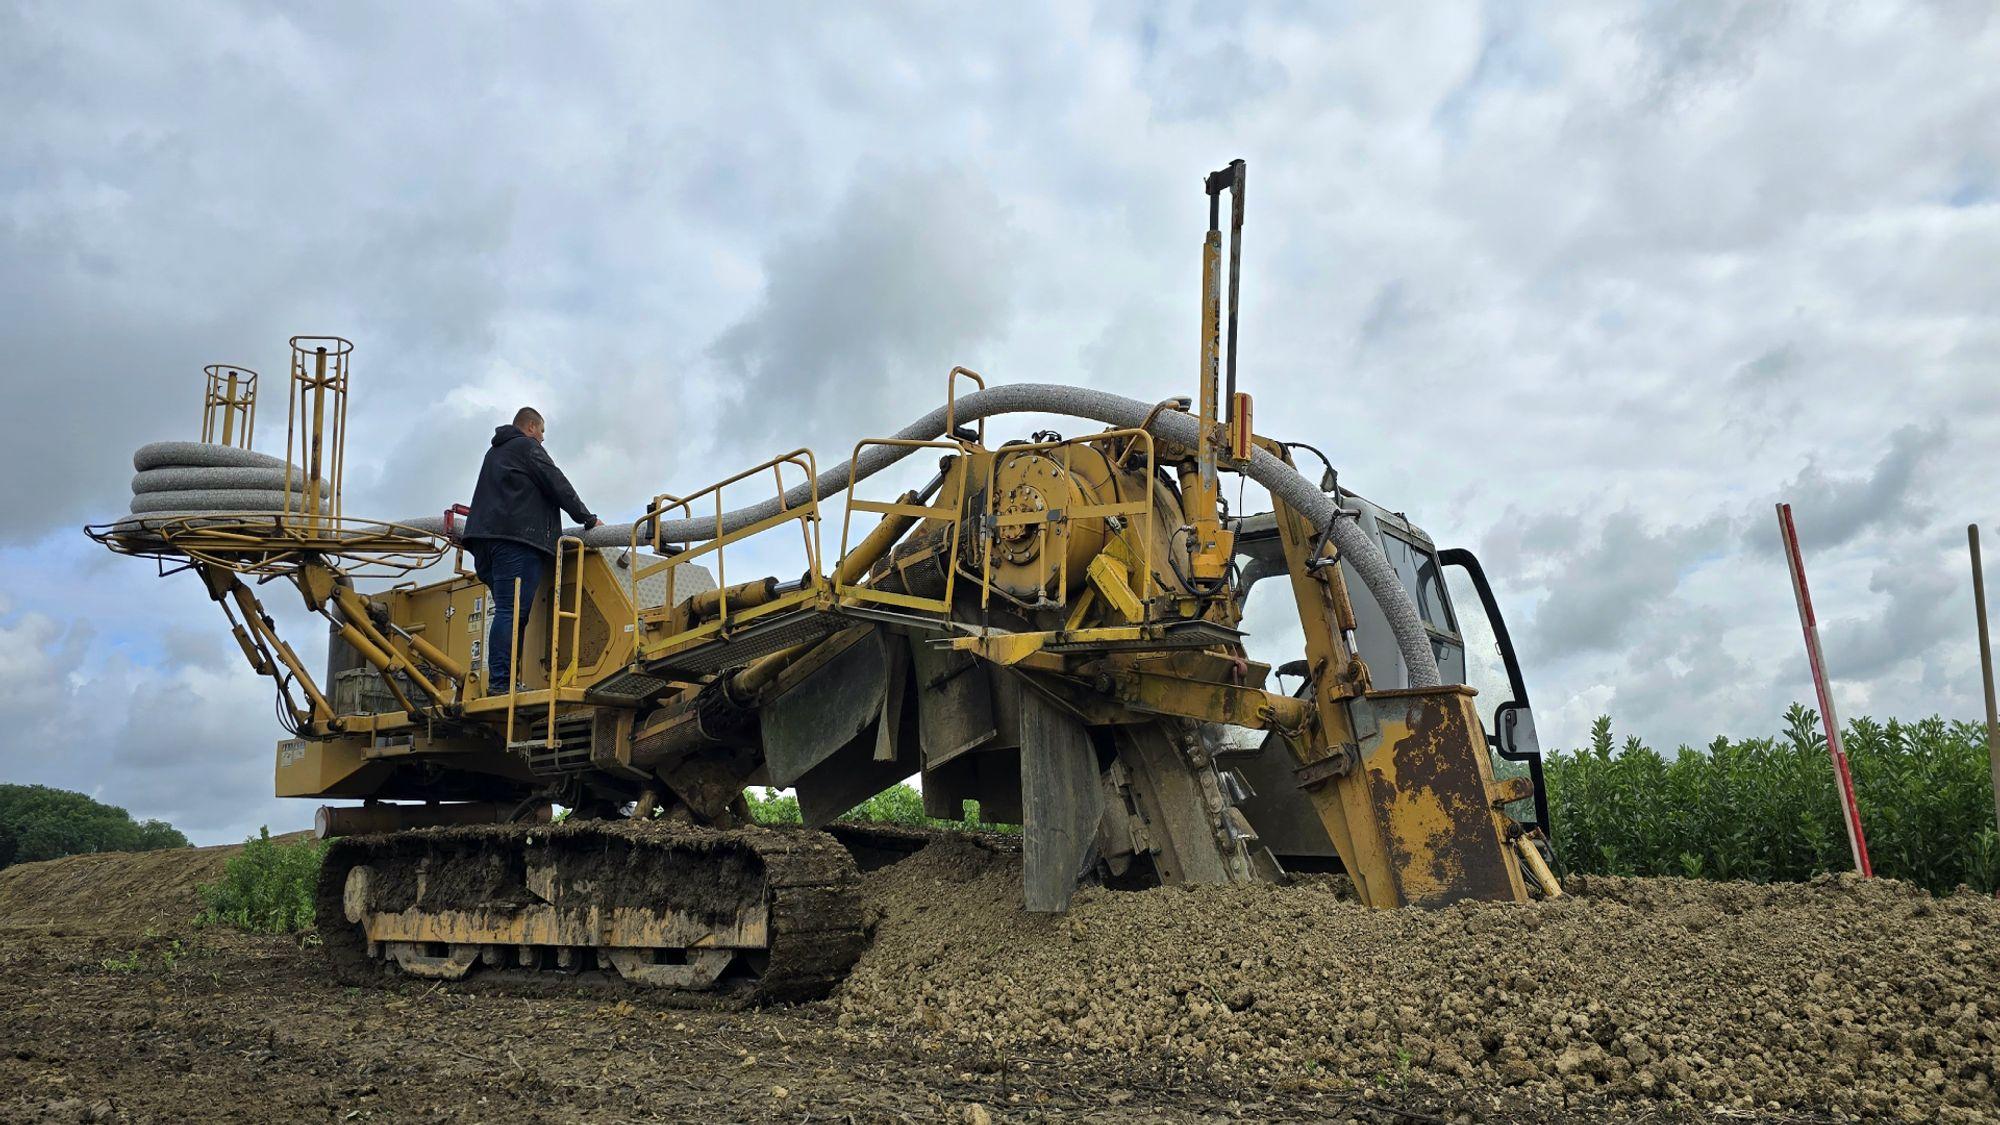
[559,674]
[951,400]
[806,514]
[513,655]
[951,509]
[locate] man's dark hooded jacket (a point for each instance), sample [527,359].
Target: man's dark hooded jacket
[518,494]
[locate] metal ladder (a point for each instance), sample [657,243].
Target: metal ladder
[561,672]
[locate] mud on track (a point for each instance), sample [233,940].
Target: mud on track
[1247,1004]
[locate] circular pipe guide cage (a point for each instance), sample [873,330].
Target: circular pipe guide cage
[292,515]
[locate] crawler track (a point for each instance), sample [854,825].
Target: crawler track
[745,916]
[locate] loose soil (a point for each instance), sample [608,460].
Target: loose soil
[1654,1000]
[1628,996]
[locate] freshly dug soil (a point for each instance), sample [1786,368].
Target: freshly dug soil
[1627,997]
[1651,1001]
[227,1027]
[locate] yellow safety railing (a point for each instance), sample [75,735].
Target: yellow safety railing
[807,515]
[1044,522]
[513,656]
[949,506]
[563,673]
[231,397]
[316,430]
[951,400]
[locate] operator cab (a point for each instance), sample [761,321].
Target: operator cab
[1467,634]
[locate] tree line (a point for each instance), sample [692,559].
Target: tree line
[37,822]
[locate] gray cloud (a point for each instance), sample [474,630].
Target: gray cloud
[1921,604]
[1692,46]
[1832,510]
[1598,595]
[1686,688]
[1210,82]
[1770,370]
[912,266]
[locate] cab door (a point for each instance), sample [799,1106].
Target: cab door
[1491,666]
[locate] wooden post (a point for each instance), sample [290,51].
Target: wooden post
[1857,841]
[1985,667]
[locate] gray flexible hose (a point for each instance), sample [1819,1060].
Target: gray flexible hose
[177,479]
[180,478]
[200,454]
[215,500]
[1177,428]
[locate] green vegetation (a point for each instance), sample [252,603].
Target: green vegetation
[268,888]
[37,822]
[900,804]
[1765,809]
[772,807]
[158,953]
[167,955]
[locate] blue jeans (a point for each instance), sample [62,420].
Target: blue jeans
[497,563]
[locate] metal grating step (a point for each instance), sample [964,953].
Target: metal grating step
[760,638]
[629,686]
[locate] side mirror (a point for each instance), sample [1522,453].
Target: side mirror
[1516,732]
[1328,482]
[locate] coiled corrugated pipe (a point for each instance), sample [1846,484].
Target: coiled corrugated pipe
[191,478]
[1178,428]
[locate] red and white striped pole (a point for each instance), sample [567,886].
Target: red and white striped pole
[1857,842]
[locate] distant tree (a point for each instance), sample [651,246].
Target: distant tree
[157,834]
[37,822]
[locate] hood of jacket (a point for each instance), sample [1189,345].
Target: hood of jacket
[504,434]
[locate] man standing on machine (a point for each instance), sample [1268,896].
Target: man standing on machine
[513,529]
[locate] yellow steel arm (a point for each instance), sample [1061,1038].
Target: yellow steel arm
[261,644]
[1160,688]
[1401,779]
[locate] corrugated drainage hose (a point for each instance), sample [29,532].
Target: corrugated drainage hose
[191,478]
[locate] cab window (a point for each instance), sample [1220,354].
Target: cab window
[1418,569]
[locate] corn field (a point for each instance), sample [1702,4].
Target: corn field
[1765,809]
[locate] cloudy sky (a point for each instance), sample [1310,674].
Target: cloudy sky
[1583,287]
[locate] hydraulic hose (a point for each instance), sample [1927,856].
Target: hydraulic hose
[1081,402]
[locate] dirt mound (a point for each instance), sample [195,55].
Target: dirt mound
[1834,996]
[122,892]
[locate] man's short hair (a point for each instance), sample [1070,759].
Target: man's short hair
[527,416]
